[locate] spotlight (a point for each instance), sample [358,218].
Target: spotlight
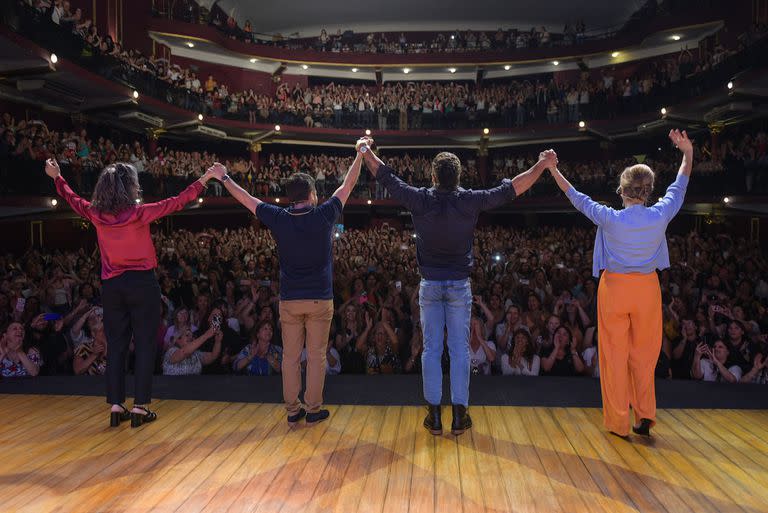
[663,111]
[367,131]
[659,148]
[253,60]
[582,124]
[277,128]
[556,63]
[137,200]
[676,37]
[336,235]
[369,202]
[615,54]
[135,95]
[486,131]
[452,70]
[507,67]
[660,198]
[497,258]
[54,58]
[354,70]
[199,117]
[413,235]
[190,44]
[730,85]
[406,70]
[453,36]
[277,200]
[726,200]
[304,66]
[54,202]
[199,200]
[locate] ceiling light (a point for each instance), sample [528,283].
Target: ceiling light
[354,70]
[135,95]
[730,85]
[277,200]
[190,44]
[54,202]
[137,200]
[726,200]
[367,131]
[369,202]
[254,60]
[199,117]
[507,67]
[54,58]
[556,63]
[452,70]
[406,70]
[304,66]
[582,124]
[676,37]
[615,54]
[486,131]
[199,200]
[277,128]
[663,111]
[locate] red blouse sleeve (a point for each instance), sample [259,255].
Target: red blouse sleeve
[151,211]
[78,204]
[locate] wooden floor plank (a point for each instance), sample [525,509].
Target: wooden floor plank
[60,456]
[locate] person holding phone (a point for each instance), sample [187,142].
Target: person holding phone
[130,290]
[630,246]
[444,218]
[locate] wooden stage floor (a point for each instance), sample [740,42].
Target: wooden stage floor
[58,454]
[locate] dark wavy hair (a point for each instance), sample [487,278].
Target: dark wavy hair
[117,189]
[530,351]
[446,171]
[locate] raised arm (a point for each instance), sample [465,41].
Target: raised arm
[524,181]
[596,212]
[345,189]
[406,194]
[220,173]
[673,198]
[152,211]
[78,204]
[372,162]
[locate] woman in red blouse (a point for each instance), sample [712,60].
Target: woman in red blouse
[130,292]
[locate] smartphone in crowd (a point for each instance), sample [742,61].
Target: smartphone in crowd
[52,316]
[20,304]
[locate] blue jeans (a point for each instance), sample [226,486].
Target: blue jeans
[445,305]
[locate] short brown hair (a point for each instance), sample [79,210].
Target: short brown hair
[636,182]
[117,189]
[446,170]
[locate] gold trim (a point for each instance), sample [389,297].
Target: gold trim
[420,65]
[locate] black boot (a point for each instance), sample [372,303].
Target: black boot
[432,421]
[461,419]
[644,429]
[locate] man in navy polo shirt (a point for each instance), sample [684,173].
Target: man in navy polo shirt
[303,232]
[444,217]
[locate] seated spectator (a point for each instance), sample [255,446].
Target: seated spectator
[482,352]
[564,359]
[184,357]
[381,353]
[715,363]
[260,357]
[521,358]
[15,360]
[759,371]
[90,357]
[332,360]
[181,324]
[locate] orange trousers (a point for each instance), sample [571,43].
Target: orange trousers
[629,328]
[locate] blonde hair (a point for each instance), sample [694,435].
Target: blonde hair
[636,182]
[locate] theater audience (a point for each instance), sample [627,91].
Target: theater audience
[16,360]
[260,357]
[184,357]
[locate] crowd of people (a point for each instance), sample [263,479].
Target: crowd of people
[742,157]
[534,310]
[399,105]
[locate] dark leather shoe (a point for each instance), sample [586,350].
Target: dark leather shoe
[137,419]
[116,417]
[293,419]
[461,419]
[644,429]
[432,421]
[318,416]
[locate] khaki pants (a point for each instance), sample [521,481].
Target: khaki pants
[304,320]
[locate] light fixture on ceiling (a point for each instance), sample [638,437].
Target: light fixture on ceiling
[486,131]
[452,70]
[354,70]
[54,202]
[253,60]
[135,95]
[676,37]
[277,200]
[663,111]
[726,200]
[304,66]
[199,117]
[367,131]
[582,124]
[615,54]
[556,63]
[406,70]
[54,58]
[277,128]
[190,44]
[507,67]
[199,200]
[730,85]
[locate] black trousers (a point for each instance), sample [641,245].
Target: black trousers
[131,312]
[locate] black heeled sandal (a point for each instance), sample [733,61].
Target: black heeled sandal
[137,419]
[116,417]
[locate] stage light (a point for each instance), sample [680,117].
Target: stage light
[507,67]
[336,235]
[304,66]
[452,70]
[277,200]
[354,70]
[190,44]
[135,95]
[413,235]
[406,70]
[486,131]
[453,36]
[582,124]
[277,128]
[660,198]
[199,200]
[726,200]
[659,148]
[663,111]
[730,85]
[615,54]
[676,37]
[253,60]
[497,258]
[556,63]
[54,58]
[367,131]
[199,117]
[137,200]
[54,202]
[369,202]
